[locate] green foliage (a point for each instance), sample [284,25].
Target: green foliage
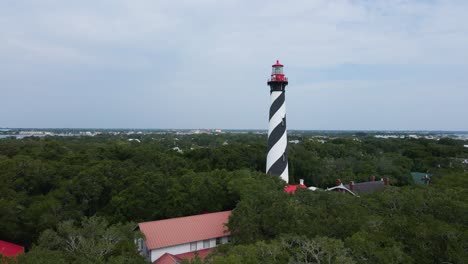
[93,240]
[49,184]
[39,255]
[286,249]
[399,225]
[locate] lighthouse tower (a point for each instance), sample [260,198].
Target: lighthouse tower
[277,158]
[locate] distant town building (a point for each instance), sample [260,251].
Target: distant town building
[362,187]
[178,238]
[34,133]
[388,136]
[339,187]
[370,186]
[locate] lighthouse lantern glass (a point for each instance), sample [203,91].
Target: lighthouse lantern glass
[277,70]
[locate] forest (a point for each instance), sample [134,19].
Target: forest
[78,199]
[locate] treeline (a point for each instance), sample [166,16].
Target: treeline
[46,182]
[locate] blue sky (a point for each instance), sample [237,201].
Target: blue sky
[203,64]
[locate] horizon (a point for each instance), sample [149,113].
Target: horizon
[233,129]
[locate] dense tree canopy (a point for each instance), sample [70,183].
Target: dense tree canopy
[54,183]
[399,225]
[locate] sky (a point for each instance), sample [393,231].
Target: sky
[351,64]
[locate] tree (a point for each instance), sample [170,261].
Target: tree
[92,240]
[316,250]
[286,249]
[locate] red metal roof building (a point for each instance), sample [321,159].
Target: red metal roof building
[167,258]
[8,249]
[181,235]
[175,259]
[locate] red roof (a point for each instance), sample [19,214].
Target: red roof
[291,188]
[9,249]
[174,231]
[172,259]
[167,259]
[277,64]
[190,255]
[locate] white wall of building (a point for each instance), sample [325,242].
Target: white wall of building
[176,249]
[183,248]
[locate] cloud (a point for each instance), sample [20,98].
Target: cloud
[220,52]
[309,32]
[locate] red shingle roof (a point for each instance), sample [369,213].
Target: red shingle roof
[190,255]
[9,249]
[172,259]
[174,231]
[167,259]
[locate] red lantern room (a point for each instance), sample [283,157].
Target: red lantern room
[277,74]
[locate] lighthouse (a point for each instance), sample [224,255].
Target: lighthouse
[277,157]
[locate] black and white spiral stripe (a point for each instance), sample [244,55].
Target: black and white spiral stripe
[277,158]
